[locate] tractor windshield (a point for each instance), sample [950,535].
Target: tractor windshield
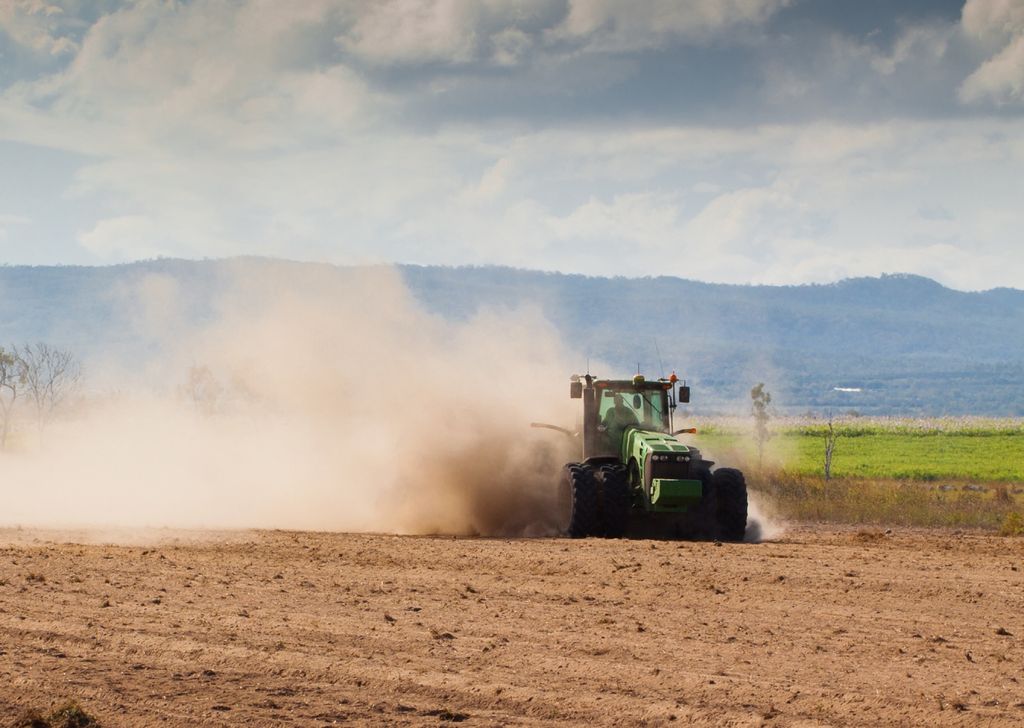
[648,407]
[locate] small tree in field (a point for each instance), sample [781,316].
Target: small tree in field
[202,389]
[830,446]
[51,375]
[12,377]
[760,399]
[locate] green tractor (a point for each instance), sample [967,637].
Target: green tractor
[635,477]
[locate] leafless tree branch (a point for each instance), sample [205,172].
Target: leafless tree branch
[51,375]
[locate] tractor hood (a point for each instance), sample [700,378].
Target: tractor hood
[638,443]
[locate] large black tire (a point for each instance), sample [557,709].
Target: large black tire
[729,496]
[616,500]
[578,501]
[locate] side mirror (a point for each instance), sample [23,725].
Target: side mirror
[684,394]
[637,401]
[576,390]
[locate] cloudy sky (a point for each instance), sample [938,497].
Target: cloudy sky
[767,141]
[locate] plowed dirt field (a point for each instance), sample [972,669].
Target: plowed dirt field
[822,627]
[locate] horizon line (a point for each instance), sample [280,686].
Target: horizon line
[499,266]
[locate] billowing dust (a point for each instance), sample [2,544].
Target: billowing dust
[763,524]
[313,398]
[308,402]
[763,521]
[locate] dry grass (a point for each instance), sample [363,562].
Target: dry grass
[893,502]
[1012,525]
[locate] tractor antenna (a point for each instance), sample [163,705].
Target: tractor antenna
[588,366]
[661,364]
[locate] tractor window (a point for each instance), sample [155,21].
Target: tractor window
[608,404]
[648,406]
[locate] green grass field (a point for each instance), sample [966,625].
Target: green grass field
[951,473]
[923,451]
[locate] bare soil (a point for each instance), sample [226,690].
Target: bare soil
[825,626]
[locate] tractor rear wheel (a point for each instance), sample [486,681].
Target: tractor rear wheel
[578,501]
[616,500]
[729,489]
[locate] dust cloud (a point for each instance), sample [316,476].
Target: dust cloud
[312,399]
[763,521]
[763,524]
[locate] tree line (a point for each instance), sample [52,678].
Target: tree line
[38,376]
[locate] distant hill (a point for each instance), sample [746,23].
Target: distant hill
[910,345]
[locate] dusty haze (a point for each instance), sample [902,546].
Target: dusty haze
[313,405]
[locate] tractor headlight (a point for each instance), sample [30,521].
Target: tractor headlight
[682,458]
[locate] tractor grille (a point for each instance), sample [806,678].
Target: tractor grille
[670,469]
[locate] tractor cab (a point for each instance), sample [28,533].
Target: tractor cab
[646,405]
[610,406]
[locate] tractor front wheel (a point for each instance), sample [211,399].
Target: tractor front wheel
[616,500]
[578,501]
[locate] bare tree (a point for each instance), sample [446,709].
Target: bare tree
[830,446]
[203,389]
[760,399]
[51,375]
[12,377]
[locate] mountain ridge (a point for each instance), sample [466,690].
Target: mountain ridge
[160,261]
[914,346]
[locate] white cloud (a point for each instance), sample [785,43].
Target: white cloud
[511,46]
[779,204]
[928,42]
[743,218]
[624,25]
[1000,79]
[993,21]
[165,75]
[492,183]
[37,25]
[832,201]
[123,238]
[414,31]
[404,32]
[645,220]
[9,221]
[263,127]
[997,25]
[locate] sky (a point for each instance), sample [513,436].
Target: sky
[737,141]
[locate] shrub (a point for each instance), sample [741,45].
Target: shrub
[67,715]
[1013,525]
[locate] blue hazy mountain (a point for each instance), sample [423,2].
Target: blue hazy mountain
[910,345]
